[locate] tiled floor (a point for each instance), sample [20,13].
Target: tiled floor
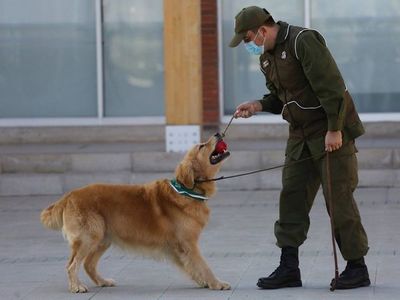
[238,244]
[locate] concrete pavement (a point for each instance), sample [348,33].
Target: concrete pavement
[238,244]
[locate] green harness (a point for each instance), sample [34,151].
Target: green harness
[180,189]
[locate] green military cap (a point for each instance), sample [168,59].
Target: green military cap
[248,18]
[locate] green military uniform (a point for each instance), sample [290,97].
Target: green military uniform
[308,90]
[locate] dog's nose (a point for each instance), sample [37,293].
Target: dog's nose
[218,135]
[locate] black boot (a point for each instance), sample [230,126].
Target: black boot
[287,274]
[354,275]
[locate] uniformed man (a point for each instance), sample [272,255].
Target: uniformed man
[307,88]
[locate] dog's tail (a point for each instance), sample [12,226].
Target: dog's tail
[52,216]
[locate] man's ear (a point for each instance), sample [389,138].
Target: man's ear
[184,173]
[263,29]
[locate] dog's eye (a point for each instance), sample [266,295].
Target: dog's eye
[201,146]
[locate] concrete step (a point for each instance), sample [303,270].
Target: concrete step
[103,133]
[52,169]
[56,184]
[140,158]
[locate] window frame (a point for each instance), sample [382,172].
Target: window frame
[101,119]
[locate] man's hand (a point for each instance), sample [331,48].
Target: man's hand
[247,109]
[333,140]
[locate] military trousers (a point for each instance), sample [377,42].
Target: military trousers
[301,182]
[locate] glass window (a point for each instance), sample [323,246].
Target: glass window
[243,80]
[47,58]
[364,38]
[133,58]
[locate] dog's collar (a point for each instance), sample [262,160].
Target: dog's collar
[180,189]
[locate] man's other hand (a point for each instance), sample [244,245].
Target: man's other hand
[333,140]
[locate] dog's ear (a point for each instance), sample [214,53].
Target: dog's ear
[184,173]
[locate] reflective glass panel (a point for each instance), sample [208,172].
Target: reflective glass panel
[133,58]
[364,38]
[47,58]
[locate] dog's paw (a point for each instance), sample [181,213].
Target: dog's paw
[202,284]
[78,288]
[219,285]
[106,282]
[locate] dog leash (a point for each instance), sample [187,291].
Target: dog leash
[329,196]
[262,170]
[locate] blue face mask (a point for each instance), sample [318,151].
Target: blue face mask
[254,49]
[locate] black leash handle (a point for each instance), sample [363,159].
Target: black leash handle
[331,211]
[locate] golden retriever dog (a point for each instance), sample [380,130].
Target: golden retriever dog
[162,219]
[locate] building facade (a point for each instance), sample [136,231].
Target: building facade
[96,62]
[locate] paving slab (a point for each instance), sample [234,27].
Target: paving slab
[238,244]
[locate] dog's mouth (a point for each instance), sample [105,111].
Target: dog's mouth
[220,151]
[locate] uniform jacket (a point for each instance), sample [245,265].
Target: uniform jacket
[306,87]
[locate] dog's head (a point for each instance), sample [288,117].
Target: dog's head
[201,162]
